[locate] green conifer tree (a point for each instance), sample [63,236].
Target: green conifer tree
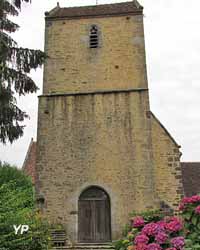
[15,65]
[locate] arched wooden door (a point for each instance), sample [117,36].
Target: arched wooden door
[94,223]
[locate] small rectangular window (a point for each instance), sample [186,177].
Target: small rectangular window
[94,39]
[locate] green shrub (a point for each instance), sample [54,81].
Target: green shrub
[17,207]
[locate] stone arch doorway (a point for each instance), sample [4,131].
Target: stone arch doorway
[94,219]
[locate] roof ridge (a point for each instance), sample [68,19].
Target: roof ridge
[97,5]
[96,10]
[137,4]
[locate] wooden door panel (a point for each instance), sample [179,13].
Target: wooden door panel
[102,221]
[86,221]
[107,222]
[94,223]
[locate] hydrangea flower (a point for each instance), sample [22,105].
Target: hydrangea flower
[141,238]
[189,200]
[150,229]
[178,242]
[138,221]
[141,247]
[161,226]
[194,198]
[174,225]
[197,210]
[154,246]
[161,237]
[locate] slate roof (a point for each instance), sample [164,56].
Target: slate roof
[191,177]
[123,8]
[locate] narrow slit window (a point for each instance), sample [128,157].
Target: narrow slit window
[94,39]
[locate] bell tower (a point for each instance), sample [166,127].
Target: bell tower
[95,48]
[94,149]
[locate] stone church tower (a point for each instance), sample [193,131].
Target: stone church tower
[101,153]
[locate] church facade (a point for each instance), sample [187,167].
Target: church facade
[101,153]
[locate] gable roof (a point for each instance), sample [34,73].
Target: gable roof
[191,177]
[115,9]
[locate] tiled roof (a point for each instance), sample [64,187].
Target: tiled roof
[191,177]
[132,7]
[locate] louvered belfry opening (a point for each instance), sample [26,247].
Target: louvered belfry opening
[94,39]
[94,223]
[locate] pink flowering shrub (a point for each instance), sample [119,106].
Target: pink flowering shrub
[162,234]
[153,231]
[190,209]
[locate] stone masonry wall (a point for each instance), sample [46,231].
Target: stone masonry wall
[168,175]
[117,64]
[97,139]
[29,164]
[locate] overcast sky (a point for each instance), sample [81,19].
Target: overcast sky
[173,58]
